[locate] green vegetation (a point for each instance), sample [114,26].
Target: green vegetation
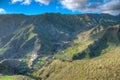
[60,47]
[105,67]
[76,47]
[16,77]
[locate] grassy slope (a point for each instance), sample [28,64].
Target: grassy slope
[105,67]
[15,77]
[21,39]
[25,38]
[78,45]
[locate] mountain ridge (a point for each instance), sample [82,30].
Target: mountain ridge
[38,40]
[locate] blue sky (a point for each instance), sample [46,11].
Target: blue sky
[31,7]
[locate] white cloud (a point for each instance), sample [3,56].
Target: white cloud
[26,2]
[81,5]
[111,7]
[15,1]
[2,11]
[105,6]
[74,4]
[45,2]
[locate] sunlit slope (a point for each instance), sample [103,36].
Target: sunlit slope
[15,77]
[104,66]
[28,44]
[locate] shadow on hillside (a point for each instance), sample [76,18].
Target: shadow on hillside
[111,35]
[93,50]
[55,32]
[54,36]
[12,66]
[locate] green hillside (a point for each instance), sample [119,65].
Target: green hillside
[105,67]
[60,46]
[88,65]
[15,77]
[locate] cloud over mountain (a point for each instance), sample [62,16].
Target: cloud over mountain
[15,1]
[105,6]
[25,2]
[45,2]
[112,7]
[2,11]
[89,6]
